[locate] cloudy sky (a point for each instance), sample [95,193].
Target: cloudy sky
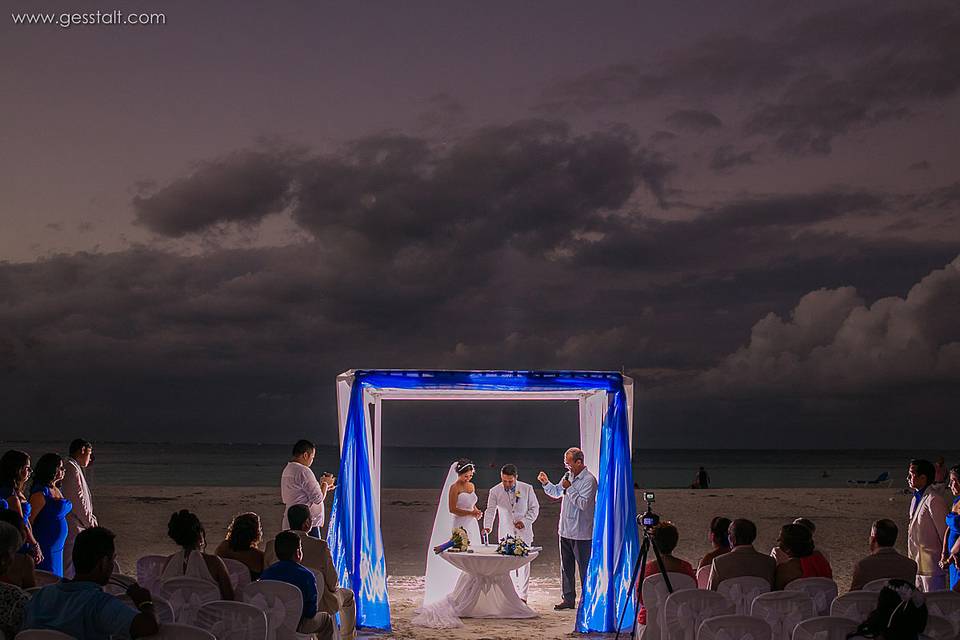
[752,208]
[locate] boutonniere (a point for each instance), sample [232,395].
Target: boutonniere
[516,495]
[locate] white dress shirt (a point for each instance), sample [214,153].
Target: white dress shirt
[519,504]
[76,490]
[579,503]
[298,485]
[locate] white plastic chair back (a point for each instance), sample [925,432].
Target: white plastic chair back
[115,589]
[181,632]
[281,602]
[742,591]
[876,585]
[824,628]
[821,590]
[186,595]
[42,634]
[855,605]
[684,610]
[734,627]
[149,570]
[654,591]
[944,604]
[703,577]
[782,610]
[229,620]
[161,608]
[939,628]
[239,574]
[45,577]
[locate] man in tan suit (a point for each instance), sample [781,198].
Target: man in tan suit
[884,561]
[76,490]
[316,556]
[743,559]
[928,524]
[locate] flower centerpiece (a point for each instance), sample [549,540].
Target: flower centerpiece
[459,541]
[512,546]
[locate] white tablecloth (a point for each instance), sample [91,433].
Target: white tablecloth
[484,589]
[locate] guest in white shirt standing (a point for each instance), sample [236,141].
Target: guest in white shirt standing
[518,508]
[578,491]
[298,485]
[76,490]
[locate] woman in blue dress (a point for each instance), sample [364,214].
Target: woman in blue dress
[49,512]
[951,548]
[14,471]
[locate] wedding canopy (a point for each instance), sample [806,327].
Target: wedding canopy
[606,407]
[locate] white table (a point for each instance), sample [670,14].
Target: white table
[484,589]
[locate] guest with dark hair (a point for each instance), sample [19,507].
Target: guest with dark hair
[298,485]
[951,541]
[185,529]
[666,536]
[242,543]
[901,614]
[14,473]
[288,569]
[13,599]
[928,525]
[48,512]
[719,542]
[884,560]
[80,608]
[743,559]
[77,491]
[780,555]
[20,570]
[796,541]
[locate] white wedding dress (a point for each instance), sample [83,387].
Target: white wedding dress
[468,501]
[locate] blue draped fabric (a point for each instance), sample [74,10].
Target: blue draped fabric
[354,535]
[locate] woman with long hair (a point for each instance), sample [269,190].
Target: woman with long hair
[951,541]
[14,472]
[901,614]
[48,512]
[242,543]
[185,529]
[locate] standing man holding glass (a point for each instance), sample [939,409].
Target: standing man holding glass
[298,485]
[578,492]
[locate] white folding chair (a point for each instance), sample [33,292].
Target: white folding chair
[734,627]
[782,610]
[854,605]
[42,634]
[876,585]
[161,608]
[186,595]
[944,604]
[281,602]
[115,589]
[742,591]
[149,570]
[45,577]
[229,620]
[684,610]
[939,628]
[170,631]
[239,573]
[824,628]
[654,592]
[821,590]
[703,577]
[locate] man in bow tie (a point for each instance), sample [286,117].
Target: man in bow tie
[518,508]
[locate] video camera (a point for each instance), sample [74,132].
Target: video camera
[648,519]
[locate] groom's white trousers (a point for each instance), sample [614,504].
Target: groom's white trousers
[521,580]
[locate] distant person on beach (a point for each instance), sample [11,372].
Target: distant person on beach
[719,541]
[288,569]
[951,541]
[48,512]
[298,485]
[242,543]
[13,599]
[185,529]
[796,541]
[578,494]
[884,560]
[76,490]
[701,480]
[928,524]
[20,570]
[743,559]
[666,536]
[14,473]
[940,471]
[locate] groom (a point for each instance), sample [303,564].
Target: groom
[518,507]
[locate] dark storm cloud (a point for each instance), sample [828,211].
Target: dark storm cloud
[922,165]
[725,157]
[694,120]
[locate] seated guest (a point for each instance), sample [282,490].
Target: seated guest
[743,559]
[901,614]
[242,543]
[288,569]
[12,599]
[719,541]
[333,598]
[20,570]
[48,512]
[81,608]
[884,561]
[185,529]
[797,542]
[665,536]
[781,556]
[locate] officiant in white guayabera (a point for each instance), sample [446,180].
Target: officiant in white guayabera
[517,507]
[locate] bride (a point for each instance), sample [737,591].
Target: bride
[457,508]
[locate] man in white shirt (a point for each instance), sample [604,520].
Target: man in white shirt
[518,508]
[578,491]
[928,525]
[75,489]
[298,485]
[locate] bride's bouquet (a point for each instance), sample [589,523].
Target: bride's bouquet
[459,541]
[512,546]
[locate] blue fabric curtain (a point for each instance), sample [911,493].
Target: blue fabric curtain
[354,534]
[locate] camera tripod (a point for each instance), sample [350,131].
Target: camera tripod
[639,571]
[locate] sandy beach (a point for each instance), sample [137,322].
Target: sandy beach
[139,514]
